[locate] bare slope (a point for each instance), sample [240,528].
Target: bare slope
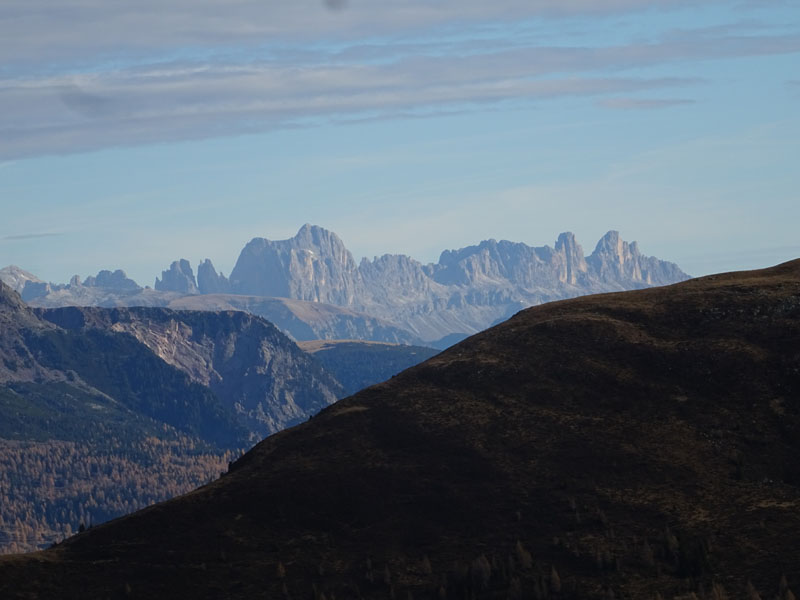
[633,444]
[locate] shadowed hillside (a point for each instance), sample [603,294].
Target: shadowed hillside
[632,445]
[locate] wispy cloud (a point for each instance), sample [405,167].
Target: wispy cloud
[229,102]
[642,103]
[27,236]
[299,85]
[54,31]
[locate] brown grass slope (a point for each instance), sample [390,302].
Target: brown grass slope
[622,445]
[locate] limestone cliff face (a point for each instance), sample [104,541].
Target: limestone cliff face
[466,291]
[179,278]
[209,281]
[254,370]
[314,265]
[615,262]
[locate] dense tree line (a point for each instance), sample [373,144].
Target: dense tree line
[48,489]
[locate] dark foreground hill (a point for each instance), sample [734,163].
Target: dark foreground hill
[641,444]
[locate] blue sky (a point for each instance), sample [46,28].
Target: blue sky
[134,134]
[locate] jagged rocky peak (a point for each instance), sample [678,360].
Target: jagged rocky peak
[209,281]
[116,281]
[615,260]
[574,268]
[315,237]
[502,263]
[611,245]
[178,278]
[314,265]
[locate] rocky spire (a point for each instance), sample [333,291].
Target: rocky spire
[179,278]
[574,267]
[209,281]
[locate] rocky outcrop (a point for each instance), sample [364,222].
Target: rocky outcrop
[105,283]
[314,265]
[178,278]
[116,281]
[615,262]
[209,281]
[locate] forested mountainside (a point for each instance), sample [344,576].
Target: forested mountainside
[103,411]
[642,444]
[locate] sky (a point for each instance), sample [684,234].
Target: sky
[133,134]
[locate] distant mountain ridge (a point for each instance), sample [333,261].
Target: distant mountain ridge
[466,291]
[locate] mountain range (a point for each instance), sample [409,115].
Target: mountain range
[392,298]
[642,444]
